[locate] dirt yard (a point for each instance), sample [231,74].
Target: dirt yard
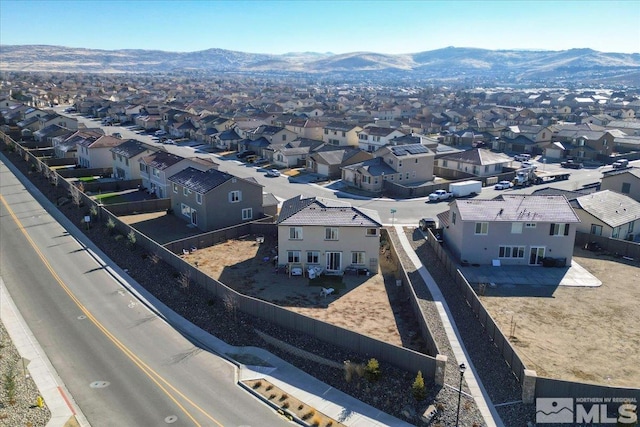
[578,334]
[360,303]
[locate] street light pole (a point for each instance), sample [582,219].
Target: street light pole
[462,369]
[393,217]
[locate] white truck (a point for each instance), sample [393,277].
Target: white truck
[465,188]
[529,176]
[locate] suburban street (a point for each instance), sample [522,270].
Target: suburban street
[406,211]
[124,365]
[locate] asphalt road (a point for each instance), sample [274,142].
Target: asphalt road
[123,365]
[406,211]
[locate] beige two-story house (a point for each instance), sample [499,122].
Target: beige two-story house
[511,230]
[332,237]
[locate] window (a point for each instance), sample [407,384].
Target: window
[444,163]
[331,233]
[156,172]
[113,156]
[596,229]
[143,168]
[126,162]
[235,196]
[482,228]
[185,192]
[199,198]
[511,252]
[372,231]
[453,217]
[293,256]
[530,225]
[186,210]
[295,233]
[357,257]
[626,187]
[516,228]
[559,230]
[615,233]
[284,137]
[247,213]
[313,257]
[175,188]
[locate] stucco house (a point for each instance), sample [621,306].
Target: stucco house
[125,158]
[158,166]
[374,137]
[292,154]
[327,235]
[477,161]
[341,134]
[212,199]
[510,230]
[96,152]
[329,160]
[624,181]
[609,214]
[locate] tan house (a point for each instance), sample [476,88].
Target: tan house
[372,138]
[610,214]
[330,237]
[96,153]
[623,181]
[476,161]
[341,134]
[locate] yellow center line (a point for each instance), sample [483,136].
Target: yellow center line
[151,373]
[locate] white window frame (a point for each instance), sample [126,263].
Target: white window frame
[247,213]
[372,232]
[295,233]
[358,257]
[483,228]
[293,257]
[235,196]
[331,233]
[175,187]
[511,252]
[199,198]
[313,257]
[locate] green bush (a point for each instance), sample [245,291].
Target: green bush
[418,389]
[372,370]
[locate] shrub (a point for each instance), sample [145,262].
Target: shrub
[285,405]
[284,396]
[111,225]
[257,384]
[10,385]
[131,238]
[309,414]
[372,370]
[418,389]
[272,396]
[269,387]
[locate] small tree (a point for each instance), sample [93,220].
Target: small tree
[10,385]
[111,225]
[76,195]
[231,306]
[131,239]
[185,280]
[93,210]
[418,389]
[372,370]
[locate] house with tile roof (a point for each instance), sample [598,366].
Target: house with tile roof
[510,230]
[341,134]
[291,154]
[372,138]
[476,161]
[623,181]
[211,199]
[332,236]
[96,152]
[329,160]
[125,158]
[158,166]
[609,214]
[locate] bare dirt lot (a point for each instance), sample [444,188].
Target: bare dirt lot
[577,334]
[371,305]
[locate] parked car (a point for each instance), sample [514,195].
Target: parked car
[503,185]
[273,172]
[426,223]
[570,164]
[160,132]
[438,195]
[522,157]
[246,153]
[170,142]
[621,164]
[527,165]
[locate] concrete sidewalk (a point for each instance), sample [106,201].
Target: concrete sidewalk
[326,399]
[487,410]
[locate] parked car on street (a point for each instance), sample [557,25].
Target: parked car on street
[571,164]
[522,157]
[273,172]
[503,185]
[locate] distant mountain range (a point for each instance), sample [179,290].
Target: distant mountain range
[451,63]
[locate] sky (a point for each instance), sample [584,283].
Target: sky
[276,27]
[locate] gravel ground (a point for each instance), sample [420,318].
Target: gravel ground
[391,394]
[496,376]
[17,397]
